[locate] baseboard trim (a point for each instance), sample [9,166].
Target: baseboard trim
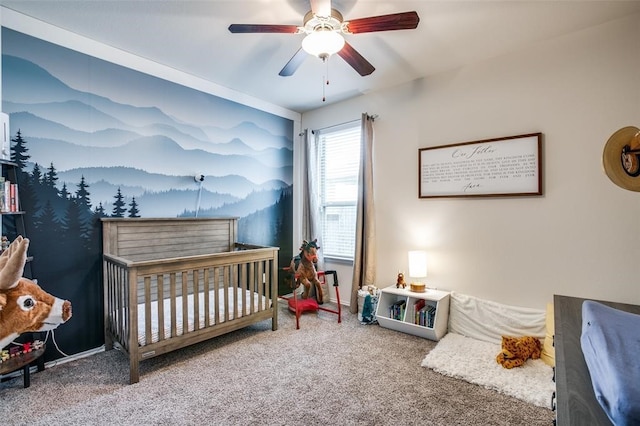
[74,357]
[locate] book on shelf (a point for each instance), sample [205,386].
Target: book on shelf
[419,304]
[426,316]
[13,198]
[8,196]
[431,316]
[3,205]
[396,310]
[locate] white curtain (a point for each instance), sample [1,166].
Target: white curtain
[311,227]
[364,261]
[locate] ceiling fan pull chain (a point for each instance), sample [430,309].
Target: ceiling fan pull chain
[326,61]
[323,90]
[325,81]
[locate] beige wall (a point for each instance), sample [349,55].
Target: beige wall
[581,238]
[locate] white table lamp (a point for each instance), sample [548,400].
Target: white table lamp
[418,269]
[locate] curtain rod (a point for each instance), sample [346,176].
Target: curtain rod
[371,116]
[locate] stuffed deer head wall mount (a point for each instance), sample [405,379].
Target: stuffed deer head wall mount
[24,306]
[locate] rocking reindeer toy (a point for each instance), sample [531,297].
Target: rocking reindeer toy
[305,271]
[24,306]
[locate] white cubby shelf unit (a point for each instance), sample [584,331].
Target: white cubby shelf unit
[406,320]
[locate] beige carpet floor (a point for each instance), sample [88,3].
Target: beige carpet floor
[325,373]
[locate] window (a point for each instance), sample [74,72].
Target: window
[339,160]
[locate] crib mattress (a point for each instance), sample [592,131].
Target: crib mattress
[219,299]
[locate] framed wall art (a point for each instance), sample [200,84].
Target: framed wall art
[508,166]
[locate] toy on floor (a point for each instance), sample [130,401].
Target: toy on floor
[24,306]
[305,271]
[516,350]
[369,304]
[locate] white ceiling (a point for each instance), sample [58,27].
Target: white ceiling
[192,36]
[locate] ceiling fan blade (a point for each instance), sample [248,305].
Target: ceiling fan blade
[356,60]
[321,7]
[395,21]
[294,63]
[262,28]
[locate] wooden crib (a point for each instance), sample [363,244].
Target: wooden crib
[170,283]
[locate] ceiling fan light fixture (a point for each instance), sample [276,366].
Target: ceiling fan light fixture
[324,34]
[323,43]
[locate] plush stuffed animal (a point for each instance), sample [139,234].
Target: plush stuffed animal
[305,271]
[400,282]
[516,350]
[24,306]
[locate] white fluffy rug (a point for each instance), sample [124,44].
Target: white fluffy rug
[474,361]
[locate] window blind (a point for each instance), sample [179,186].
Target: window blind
[339,157]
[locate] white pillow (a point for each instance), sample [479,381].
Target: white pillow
[489,321]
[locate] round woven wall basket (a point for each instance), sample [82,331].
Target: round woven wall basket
[621,158]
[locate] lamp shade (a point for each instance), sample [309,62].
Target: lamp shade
[323,43]
[418,264]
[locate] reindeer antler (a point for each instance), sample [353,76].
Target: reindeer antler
[12,263]
[308,245]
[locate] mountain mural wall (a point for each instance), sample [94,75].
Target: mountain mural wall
[94,139]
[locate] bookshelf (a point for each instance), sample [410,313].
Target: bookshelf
[421,314]
[11,213]
[9,198]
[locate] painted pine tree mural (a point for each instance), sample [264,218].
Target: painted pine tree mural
[64,231]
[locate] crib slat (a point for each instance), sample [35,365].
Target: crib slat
[196,300]
[216,288]
[185,304]
[120,306]
[260,286]
[174,308]
[161,307]
[207,305]
[234,281]
[251,286]
[147,309]
[225,280]
[244,283]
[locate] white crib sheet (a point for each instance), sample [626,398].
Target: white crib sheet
[155,326]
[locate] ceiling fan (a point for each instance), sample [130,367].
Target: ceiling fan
[324,27]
